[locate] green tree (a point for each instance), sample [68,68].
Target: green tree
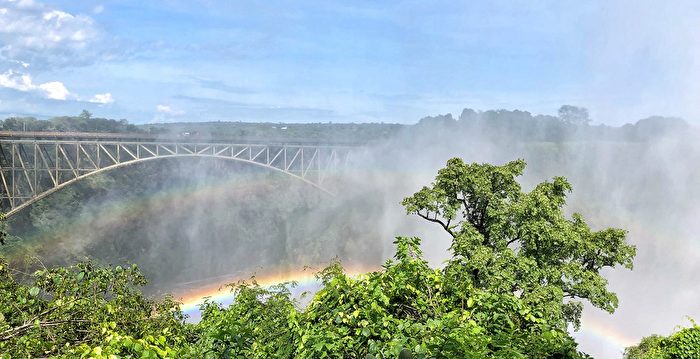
[684,344]
[508,241]
[85,114]
[73,309]
[574,115]
[405,308]
[647,348]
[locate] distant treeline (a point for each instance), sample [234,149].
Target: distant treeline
[84,122]
[351,132]
[571,124]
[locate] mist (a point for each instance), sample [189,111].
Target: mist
[193,223]
[647,184]
[196,222]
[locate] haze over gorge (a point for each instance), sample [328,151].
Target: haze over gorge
[360,180]
[193,224]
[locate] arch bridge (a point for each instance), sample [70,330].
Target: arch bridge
[33,169]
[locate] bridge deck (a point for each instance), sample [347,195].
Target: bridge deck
[147,137]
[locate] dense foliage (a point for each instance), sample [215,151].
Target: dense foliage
[684,344]
[509,290]
[72,310]
[509,242]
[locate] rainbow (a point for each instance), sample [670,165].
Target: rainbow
[117,212]
[191,298]
[220,293]
[606,333]
[304,280]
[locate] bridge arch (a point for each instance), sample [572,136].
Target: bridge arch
[32,170]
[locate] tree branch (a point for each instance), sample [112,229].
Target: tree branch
[515,239]
[445,226]
[13,332]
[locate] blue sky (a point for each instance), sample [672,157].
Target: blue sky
[320,61]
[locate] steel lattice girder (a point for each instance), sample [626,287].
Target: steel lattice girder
[32,169]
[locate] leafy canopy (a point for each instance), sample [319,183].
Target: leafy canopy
[509,241]
[684,344]
[68,310]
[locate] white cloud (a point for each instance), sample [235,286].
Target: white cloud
[22,4]
[55,90]
[35,33]
[168,110]
[98,9]
[23,82]
[17,81]
[163,108]
[22,63]
[103,98]
[165,113]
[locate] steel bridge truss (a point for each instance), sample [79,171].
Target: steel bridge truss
[32,169]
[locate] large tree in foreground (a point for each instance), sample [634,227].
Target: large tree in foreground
[507,241]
